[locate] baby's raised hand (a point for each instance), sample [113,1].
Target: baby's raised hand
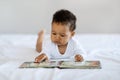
[41,58]
[79,58]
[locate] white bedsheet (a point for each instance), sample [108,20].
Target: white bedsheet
[15,49]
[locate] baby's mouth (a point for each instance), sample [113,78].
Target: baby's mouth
[58,43]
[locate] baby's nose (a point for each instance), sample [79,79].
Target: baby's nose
[57,37]
[57,40]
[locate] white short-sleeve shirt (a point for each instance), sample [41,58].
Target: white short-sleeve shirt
[52,51]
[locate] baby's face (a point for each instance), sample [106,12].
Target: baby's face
[61,34]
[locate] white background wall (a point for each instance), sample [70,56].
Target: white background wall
[30,16]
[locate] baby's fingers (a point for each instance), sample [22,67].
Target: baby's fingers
[37,60]
[40,58]
[79,58]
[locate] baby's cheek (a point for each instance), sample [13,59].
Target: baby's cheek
[64,41]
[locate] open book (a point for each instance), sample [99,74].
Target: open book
[63,65]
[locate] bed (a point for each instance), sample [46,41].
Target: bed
[18,48]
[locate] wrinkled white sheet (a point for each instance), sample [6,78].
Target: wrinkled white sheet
[16,49]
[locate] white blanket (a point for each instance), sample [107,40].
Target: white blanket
[16,49]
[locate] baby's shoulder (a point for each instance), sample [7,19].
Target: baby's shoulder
[47,42]
[74,41]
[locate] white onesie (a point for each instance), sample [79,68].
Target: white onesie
[51,49]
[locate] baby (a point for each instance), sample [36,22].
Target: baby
[61,44]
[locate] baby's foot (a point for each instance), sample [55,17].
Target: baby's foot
[40,40]
[41,36]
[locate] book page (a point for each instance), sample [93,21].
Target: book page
[82,65]
[50,64]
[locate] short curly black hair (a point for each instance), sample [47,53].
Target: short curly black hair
[65,17]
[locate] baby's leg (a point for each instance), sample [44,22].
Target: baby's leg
[39,41]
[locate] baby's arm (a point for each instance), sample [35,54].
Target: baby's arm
[41,58]
[78,58]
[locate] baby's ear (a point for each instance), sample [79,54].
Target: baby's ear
[73,33]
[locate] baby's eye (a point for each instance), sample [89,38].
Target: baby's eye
[62,35]
[54,33]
